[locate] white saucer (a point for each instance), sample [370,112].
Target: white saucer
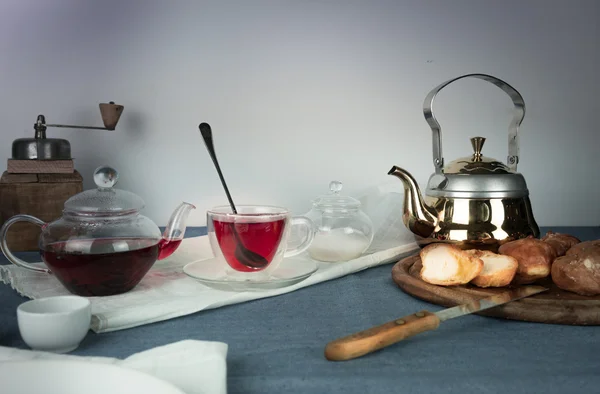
[217,274]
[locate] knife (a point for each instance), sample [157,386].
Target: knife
[375,338]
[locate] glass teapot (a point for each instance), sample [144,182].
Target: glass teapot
[101,245]
[342,231]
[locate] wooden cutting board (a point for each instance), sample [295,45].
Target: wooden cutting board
[555,306]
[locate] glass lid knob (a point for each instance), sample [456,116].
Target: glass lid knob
[335,187]
[105,177]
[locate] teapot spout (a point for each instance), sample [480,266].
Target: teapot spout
[175,230]
[418,217]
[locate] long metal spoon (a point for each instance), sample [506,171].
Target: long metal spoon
[242,254]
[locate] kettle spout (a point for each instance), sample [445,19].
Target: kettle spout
[175,230]
[418,217]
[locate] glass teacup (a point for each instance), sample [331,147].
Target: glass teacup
[256,239]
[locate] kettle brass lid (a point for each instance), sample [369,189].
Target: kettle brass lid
[477,163]
[477,176]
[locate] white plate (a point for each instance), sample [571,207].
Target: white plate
[216,274]
[77,377]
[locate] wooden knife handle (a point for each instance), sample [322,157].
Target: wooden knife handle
[375,338]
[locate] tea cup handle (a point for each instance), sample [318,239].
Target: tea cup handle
[301,221]
[4,246]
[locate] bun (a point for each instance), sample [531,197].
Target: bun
[498,270]
[579,270]
[447,265]
[560,242]
[534,256]
[584,247]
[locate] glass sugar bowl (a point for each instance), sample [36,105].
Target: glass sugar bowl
[342,231]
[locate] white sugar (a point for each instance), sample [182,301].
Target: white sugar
[338,245]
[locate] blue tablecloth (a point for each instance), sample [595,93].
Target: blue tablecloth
[276,344]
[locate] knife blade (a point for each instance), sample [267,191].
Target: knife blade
[376,338]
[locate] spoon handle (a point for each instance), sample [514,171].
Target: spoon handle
[206,132]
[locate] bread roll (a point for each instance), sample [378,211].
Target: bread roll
[584,247]
[447,265]
[560,242]
[534,256]
[579,270]
[498,270]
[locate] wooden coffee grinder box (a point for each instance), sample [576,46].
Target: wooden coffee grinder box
[38,194]
[39,178]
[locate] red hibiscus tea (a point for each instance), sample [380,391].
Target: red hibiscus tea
[261,237]
[167,247]
[254,240]
[101,267]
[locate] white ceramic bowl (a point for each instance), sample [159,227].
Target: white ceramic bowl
[54,324]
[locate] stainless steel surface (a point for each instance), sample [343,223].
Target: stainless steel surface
[477,186]
[513,141]
[474,201]
[41,149]
[480,222]
[76,127]
[477,163]
[489,302]
[110,116]
[487,178]
[484,223]
[418,217]
[40,127]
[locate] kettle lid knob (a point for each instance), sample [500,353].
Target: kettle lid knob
[477,144]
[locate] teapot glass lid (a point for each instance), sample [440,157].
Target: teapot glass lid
[334,200]
[104,199]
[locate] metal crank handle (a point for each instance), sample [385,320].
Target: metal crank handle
[376,338]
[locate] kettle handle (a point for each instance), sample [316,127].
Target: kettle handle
[513,137]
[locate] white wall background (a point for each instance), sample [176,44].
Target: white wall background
[302,92]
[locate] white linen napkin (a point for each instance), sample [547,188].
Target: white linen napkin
[166,292]
[195,367]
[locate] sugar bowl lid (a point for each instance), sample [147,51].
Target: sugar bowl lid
[335,200]
[477,176]
[104,199]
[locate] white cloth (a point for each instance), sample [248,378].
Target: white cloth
[384,204]
[166,292]
[195,367]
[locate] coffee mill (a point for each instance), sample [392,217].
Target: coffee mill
[41,176]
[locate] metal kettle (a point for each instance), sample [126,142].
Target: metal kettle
[474,201]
